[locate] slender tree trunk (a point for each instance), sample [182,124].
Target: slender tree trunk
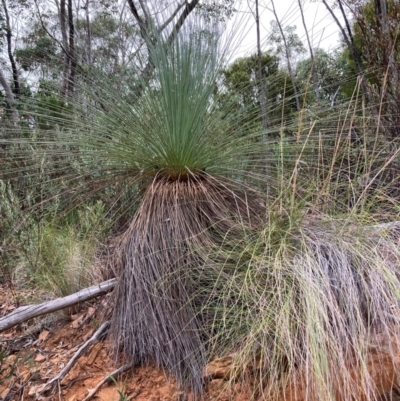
[88,33]
[350,45]
[287,57]
[149,38]
[394,73]
[66,61]
[72,59]
[17,87]
[261,86]
[9,96]
[313,70]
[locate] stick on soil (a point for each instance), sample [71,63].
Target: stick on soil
[27,312]
[108,378]
[95,337]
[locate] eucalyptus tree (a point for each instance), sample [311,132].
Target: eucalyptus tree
[10,51]
[287,42]
[241,83]
[376,36]
[335,76]
[313,73]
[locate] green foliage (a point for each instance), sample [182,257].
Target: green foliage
[240,85]
[60,259]
[376,40]
[335,77]
[120,389]
[42,51]
[294,45]
[55,255]
[271,249]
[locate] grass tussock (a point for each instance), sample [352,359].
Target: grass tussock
[55,256]
[305,305]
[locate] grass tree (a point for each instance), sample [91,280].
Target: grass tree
[192,198]
[183,163]
[293,273]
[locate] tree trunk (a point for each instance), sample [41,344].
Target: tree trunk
[9,96]
[89,34]
[17,88]
[313,71]
[72,58]
[261,86]
[66,60]
[287,57]
[389,50]
[149,38]
[350,44]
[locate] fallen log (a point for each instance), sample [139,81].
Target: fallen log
[27,312]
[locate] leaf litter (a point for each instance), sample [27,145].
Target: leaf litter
[44,351]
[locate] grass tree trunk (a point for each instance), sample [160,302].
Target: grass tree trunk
[163,254]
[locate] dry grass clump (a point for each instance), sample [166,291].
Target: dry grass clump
[305,303]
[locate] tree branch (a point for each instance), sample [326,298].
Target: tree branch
[187,10]
[173,15]
[24,313]
[287,57]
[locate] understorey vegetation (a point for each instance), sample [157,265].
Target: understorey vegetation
[267,233]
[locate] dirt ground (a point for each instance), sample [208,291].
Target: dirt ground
[35,352]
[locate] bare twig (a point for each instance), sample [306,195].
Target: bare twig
[108,378]
[95,337]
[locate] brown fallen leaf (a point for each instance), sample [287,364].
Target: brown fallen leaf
[33,390]
[93,354]
[25,375]
[40,358]
[88,335]
[77,321]
[43,335]
[91,311]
